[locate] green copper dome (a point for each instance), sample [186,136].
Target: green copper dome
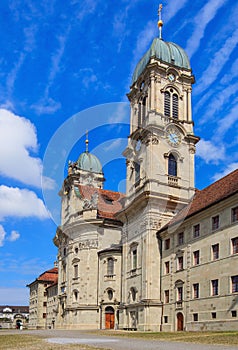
[89,162]
[165,51]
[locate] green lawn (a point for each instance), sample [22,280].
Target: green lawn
[224,338]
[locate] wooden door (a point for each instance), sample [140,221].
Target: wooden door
[109,321]
[179,321]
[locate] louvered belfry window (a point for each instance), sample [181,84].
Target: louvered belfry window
[171,104]
[167,104]
[175,106]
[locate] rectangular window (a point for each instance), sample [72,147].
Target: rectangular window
[180,238]
[179,293]
[45,294]
[215,251]
[110,266]
[166,296]
[234,243]
[180,263]
[76,270]
[234,214]
[166,267]
[196,257]
[196,230]
[44,303]
[215,222]
[234,284]
[165,319]
[134,259]
[137,172]
[195,317]
[214,315]
[233,313]
[167,244]
[196,290]
[44,315]
[214,287]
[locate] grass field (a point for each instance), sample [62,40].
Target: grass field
[223,338]
[31,342]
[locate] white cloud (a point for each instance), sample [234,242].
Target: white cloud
[2,235]
[172,9]
[224,124]
[209,152]
[218,102]
[14,236]
[231,167]
[217,63]
[204,16]
[112,145]
[17,138]
[21,203]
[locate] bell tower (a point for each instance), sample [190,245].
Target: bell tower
[160,172]
[161,146]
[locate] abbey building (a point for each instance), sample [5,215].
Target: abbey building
[163,256]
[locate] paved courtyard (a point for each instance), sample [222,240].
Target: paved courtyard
[119,343]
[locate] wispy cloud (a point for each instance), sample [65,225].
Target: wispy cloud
[172,8]
[217,63]
[14,235]
[2,235]
[218,101]
[203,18]
[230,167]
[224,124]
[47,105]
[21,203]
[210,152]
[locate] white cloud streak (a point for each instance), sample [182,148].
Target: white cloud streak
[217,63]
[203,18]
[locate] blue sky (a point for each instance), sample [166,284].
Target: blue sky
[59,58]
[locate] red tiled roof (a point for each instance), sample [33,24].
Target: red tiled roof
[49,275]
[109,202]
[207,197]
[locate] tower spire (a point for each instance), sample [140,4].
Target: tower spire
[86,141]
[160,22]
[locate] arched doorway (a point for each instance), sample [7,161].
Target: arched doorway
[109,318]
[179,321]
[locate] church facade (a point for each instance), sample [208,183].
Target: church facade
[163,256]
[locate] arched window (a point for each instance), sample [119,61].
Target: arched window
[110,294]
[110,266]
[172,165]
[171,104]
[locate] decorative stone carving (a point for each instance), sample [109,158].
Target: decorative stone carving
[91,203]
[89,243]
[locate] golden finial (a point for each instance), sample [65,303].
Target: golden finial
[86,141]
[160,22]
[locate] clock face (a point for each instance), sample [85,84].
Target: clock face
[173,136]
[171,77]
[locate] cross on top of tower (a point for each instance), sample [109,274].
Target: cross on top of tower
[160,22]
